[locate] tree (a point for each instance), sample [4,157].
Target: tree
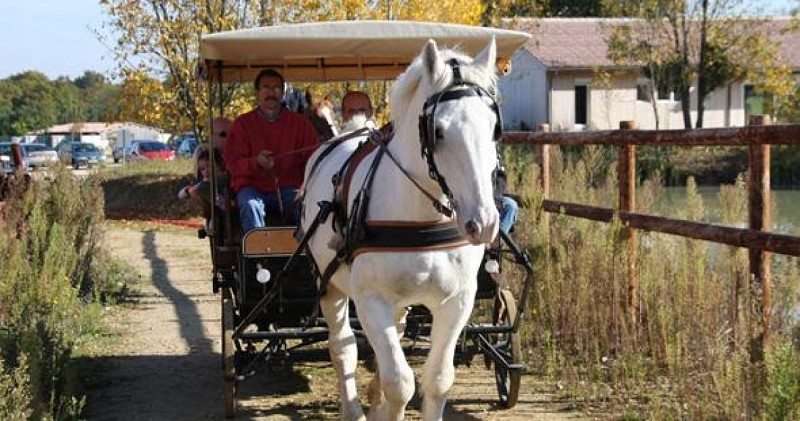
[705,44]
[143,100]
[27,103]
[495,10]
[159,40]
[68,101]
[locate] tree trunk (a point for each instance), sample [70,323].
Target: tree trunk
[686,107]
[701,65]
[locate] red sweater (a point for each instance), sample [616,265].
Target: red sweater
[251,133]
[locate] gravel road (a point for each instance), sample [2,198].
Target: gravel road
[164,364]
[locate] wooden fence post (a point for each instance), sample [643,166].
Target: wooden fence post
[543,159]
[626,168]
[760,218]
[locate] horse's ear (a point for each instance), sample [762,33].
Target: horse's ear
[488,57]
[430,56]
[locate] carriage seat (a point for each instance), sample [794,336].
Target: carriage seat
[269,241]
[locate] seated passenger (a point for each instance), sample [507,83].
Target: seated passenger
[220,126]
[321,115]
[356,111]
[506,205]
[200,191]
[265,154]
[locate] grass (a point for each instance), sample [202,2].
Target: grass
[683,356]
[148,190]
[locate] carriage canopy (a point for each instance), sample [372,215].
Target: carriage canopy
[341,50]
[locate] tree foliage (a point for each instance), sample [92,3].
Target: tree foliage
[701,44]
[158,40]
[29,101]
[498,9]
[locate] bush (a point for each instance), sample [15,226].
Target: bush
[50,284]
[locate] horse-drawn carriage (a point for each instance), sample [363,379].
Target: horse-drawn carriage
[275,281]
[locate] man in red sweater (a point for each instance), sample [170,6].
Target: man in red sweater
[266,153]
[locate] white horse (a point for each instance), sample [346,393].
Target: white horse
[384,283]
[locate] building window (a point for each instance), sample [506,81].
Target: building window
[643,92]
[581,104]
[664,91]
[755,103]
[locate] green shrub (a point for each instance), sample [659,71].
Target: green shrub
[51,279]
[782,400]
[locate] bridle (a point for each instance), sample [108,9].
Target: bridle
[429,136]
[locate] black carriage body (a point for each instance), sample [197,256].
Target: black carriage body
[294,290]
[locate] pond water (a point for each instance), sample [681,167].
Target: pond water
[785,216]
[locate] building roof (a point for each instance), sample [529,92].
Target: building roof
[86,128]
[82,128]
[579,43]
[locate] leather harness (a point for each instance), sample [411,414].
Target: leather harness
[361,235]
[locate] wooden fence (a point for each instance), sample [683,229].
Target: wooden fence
[757,137]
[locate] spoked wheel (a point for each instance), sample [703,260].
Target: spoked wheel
[508,345]
[228,354]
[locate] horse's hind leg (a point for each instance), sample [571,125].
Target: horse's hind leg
[395,375]
[438,373]
[343,351]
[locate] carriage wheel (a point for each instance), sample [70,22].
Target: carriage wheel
[228,353]
[508,344]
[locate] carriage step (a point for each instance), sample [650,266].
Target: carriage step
[287,333]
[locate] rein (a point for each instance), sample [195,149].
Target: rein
[440,207]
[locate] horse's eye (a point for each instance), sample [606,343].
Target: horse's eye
[438,134]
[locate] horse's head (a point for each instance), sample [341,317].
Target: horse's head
[459,124]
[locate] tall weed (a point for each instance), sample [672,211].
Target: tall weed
[685,355]
[50,280]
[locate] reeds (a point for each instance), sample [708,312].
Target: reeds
[685,355]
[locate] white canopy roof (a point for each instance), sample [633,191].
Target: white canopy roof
[341,50]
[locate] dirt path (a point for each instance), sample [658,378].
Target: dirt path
[165,363]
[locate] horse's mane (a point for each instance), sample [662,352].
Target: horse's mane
[411,80]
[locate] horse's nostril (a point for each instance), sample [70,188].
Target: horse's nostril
[472,228]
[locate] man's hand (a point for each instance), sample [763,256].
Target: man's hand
[264,160]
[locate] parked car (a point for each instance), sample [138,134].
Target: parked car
[39,155]
[80,154]
[120,151]
[7,161]
[150,149]
[187,147]
[176,140]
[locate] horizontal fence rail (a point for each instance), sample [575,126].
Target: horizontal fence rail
[739,136]
[757,137]
[740,237]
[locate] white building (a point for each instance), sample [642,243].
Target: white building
[555,80]
[104,135]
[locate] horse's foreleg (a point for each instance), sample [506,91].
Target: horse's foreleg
[374,392]
[438,373]
[343,351]
[394,374]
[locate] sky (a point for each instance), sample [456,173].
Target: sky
[52,36]
[55,36]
